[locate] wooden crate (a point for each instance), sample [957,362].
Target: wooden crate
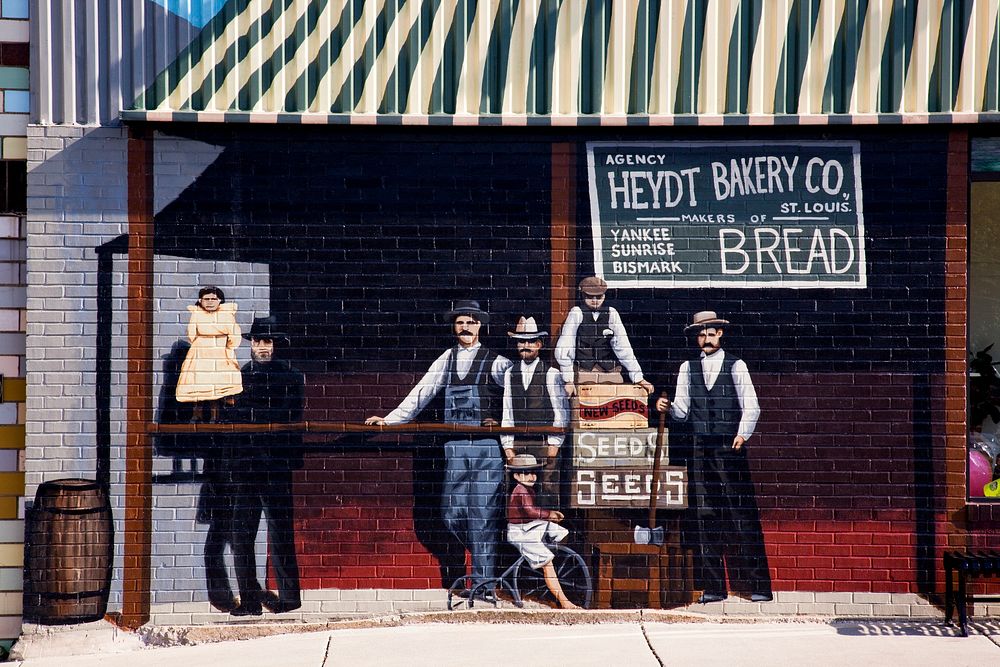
[616,407]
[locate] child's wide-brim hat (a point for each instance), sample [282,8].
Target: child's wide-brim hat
[524,463]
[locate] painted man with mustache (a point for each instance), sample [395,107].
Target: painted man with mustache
[715,393]
[471,377]
[533,395]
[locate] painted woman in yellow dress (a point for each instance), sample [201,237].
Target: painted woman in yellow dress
[210,371]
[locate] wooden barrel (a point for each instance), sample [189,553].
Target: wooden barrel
[69,546]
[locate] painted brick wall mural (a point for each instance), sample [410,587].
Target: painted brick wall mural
[402,369]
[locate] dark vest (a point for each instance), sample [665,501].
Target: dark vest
[531,406]
[593,348]
[716,412]
[471,399]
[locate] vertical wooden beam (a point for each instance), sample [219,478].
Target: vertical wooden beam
[563,234]
[956,309]
[139,401]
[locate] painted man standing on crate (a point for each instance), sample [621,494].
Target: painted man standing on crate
[715,393]
[593,346]
[471,377]
[533,395]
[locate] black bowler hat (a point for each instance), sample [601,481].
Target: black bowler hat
[266,327]
[470,308]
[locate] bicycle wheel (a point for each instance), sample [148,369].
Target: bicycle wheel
[573,573]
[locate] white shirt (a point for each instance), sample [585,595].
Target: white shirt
[565,353]
[437,376]
[557,396]
[710,367]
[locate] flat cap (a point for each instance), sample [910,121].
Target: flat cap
[593,286]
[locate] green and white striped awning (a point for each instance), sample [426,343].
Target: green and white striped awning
[586,61]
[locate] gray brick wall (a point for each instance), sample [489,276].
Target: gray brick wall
[77,201]
[174,527]
[178,541]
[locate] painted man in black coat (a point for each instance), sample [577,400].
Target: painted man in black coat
[716,395]
[257,479]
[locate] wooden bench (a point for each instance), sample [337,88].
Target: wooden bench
[969,565]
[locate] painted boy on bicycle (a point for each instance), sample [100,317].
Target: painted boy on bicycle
[529,526]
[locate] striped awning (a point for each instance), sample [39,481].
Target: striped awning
[580,61]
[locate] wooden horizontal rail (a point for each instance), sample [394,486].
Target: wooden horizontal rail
[352,427]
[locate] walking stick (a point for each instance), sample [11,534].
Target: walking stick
[657,453]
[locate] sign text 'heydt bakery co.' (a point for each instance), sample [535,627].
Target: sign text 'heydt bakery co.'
[734,214]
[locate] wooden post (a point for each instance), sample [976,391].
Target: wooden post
[139,401]
[563,234]
[956,339]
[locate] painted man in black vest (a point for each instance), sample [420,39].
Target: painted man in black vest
[471,376]
[716,395]
[256,478]
[533,395]
[593,346]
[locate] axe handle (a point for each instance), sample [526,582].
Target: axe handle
[657,452]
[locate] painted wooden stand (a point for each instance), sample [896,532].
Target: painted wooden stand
[642,579]
[665,575]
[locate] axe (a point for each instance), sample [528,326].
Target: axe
[652,534]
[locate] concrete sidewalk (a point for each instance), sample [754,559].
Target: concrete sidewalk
[642,640]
